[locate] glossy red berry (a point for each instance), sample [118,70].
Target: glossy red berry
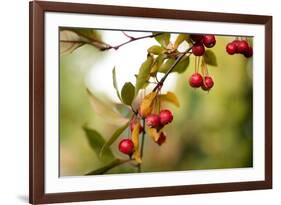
[196,80]
[248,53]
[208,83]
[166,116]
[209,41]
[196,38]
[231,48]
[242,47]
[152,121]
[198,49]
[126,146]
[161,139]
[133,124]
[236,42]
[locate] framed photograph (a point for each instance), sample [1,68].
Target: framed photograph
[138,102]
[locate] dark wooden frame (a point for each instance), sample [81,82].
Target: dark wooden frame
[37,95]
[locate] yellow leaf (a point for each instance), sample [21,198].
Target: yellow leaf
[152,132]
[170,97]
[135,139]
[147,104]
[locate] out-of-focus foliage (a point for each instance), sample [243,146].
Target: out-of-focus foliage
[211,130]
[73,38]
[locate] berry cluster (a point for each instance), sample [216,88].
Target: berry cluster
[240,47]
[158,121]
[198,49]
[200,42]
[196,80]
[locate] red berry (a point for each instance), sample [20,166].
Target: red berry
[133,124]
[195,80]
[209,41]
[208,83]
[196,38]
[231,48]
[166,116]
[126,146]
[236,42]
[242,47]
[198,49]
[152,121]
[161,139]
[248,53]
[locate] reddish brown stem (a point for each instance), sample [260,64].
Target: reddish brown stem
[132,39]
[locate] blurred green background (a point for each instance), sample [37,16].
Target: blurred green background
[211,130]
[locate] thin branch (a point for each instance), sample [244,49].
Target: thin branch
[171,69]
[104,46]
[132,40]
[127,35]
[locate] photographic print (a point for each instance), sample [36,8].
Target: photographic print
[130,102]
[152,101]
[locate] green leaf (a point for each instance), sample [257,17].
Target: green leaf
[106,168]
[115,83]
[96,142]
[163,39]
[166,65]
[156,50]
[210,58]
[181,38]
[144,73]
[179,68]
[106,110]
[160,59]
[128,93]
[157,63]
[113,138]
[182,65]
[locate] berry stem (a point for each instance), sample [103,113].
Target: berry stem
[195,64]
